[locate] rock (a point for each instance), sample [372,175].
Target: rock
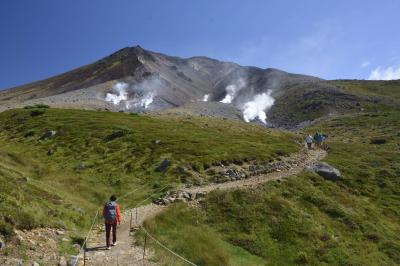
[192,196]
[82,166]
[186,195]
[19,238]
[73,261]
[76,246]
[157,141]
[27,179]
[65,239]
[163,165]
[35,264]
[77,209]
[166,201]
[50,152]
[327,171]
[48,134]
[180,200]
[60,232]
[172,199]
[62,262]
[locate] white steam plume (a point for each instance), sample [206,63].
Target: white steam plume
[256,108]
[205,98]
[232,90]
[137,96]
[143,102]
[121,93]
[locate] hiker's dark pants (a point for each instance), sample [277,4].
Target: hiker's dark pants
[108,229]
[309,145]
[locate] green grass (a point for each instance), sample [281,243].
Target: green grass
[309,220]
[187,225]
[389,89]
[96,154]
[310,101]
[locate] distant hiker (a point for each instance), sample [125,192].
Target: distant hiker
[318,138]
[112,216]
[309,141]
[323,144]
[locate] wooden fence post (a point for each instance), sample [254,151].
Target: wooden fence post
[84,254]
[130,224]
[144,246]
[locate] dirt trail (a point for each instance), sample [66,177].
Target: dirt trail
[126,253]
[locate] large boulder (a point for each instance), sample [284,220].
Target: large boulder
[327,171]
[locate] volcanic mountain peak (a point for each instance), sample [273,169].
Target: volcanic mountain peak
[135,79]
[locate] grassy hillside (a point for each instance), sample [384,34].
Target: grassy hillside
[305,219]
[387,89]
[308,101]
[60,180]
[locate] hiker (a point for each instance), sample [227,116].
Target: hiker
[112,216]
[323,144]
[318,139]
[309,141]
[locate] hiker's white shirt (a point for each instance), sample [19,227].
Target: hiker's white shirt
[309,139]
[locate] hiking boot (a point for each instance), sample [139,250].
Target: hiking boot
[108,248]
[114,244]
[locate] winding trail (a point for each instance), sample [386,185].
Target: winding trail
[127,253]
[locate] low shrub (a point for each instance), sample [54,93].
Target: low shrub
[41,105]
[378,141]
[281,153]
[6,229]
[37,112]
[302,258]
[118,132]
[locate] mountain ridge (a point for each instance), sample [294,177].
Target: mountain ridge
[152,81]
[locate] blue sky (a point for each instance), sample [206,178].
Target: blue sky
[329,39]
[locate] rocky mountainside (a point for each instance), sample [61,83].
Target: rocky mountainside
[135,79]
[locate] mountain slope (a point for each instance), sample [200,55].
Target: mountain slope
[58,166]
[135,79]
[304,219]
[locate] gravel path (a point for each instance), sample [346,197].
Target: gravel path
[126,253]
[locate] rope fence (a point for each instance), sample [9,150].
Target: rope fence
[86,237]
[83,247]
[164,247]
[138,204]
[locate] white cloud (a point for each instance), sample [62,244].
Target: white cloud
[365,64]
[388,73]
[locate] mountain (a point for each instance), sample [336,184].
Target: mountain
[135,79]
